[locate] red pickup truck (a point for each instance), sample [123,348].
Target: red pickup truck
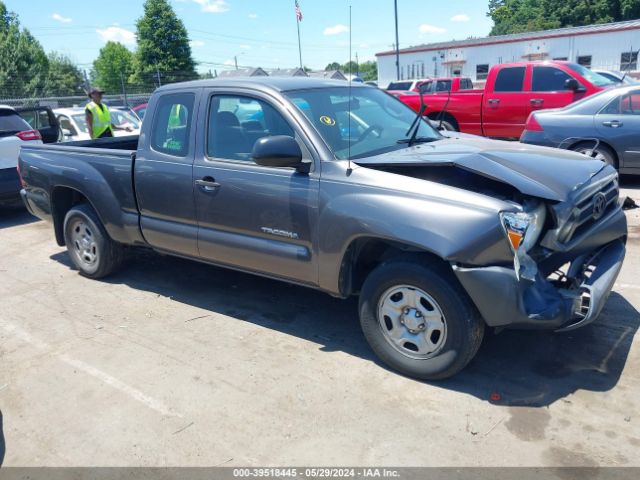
[511,93]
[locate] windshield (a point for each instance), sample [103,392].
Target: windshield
[124,118]
[377,123]
[591,77]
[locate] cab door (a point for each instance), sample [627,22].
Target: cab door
[163,174]
[252,217]
[504,110]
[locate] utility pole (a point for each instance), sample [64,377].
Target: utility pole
[158,75]
[357,66]
[235,60]
[395,5]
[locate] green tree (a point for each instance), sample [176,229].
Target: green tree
[163,46]
[114,65]
[515,16]
[64,77]
[23,62]
[367,70]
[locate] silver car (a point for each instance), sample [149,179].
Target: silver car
[605,126]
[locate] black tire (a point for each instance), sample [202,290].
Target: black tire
[463,326]
[444,123]
[602,151]
[83,221]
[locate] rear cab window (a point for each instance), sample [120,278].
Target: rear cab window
[510,79]
[399,86]
[172,124]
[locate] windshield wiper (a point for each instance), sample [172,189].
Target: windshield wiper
[413,140]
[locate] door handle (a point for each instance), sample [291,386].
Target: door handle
[612,123]
[494,101]
[536,101]
[208,184]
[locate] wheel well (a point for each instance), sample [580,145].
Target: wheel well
[364,254]
[604,144]
[63,199]
[435,116]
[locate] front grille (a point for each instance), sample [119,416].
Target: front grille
[583,216]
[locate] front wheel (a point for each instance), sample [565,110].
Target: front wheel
[91,249]
[598,152]
[418,320]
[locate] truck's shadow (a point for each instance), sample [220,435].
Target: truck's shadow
[532,368]
[14,216]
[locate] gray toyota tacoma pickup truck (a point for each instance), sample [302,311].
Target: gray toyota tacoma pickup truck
[344,189]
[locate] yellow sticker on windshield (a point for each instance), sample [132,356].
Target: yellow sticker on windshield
[327,120]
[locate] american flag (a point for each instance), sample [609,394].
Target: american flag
[298,12]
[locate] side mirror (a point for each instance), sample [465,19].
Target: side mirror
[66,132]
[573,85]
[278,151]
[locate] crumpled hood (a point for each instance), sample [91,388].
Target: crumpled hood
[537,171]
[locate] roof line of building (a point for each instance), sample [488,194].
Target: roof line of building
[520,37]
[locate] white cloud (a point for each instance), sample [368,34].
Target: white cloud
[253,15]
[229,62]
[245,47]
[336,29]
[196,43]
[213,6]
[462,17]
[60,18]
[431,29]
[117,34]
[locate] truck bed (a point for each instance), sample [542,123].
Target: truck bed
[61,169]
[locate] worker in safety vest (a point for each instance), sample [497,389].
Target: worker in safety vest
[98,117]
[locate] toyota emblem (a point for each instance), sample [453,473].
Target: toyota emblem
[599,205]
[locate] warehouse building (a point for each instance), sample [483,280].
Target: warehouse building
[611,46]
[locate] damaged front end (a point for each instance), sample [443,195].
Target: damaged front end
[566,258]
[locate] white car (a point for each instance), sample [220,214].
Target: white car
[406,85]
[14,132]
[617,77]
[74,126]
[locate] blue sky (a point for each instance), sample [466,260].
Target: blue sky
[258,32]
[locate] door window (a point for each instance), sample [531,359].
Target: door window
[172,123]
[510,80]
[627,104]
[237,122]
[549,79]
[66,124]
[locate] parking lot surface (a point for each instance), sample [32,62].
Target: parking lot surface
[174,363]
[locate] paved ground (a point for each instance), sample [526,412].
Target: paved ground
[175,363]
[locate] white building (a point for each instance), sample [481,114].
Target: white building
[611,46]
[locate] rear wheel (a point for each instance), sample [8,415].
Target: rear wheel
[418,320]
[598,152]
[91,249]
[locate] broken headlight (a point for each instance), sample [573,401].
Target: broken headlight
[523,230]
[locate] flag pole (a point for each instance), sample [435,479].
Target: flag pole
[299,46]
[298,14]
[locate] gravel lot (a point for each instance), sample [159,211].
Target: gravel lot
[175,363]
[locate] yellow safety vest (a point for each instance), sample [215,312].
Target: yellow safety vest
[101,118]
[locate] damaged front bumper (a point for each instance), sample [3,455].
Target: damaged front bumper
[569,301]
